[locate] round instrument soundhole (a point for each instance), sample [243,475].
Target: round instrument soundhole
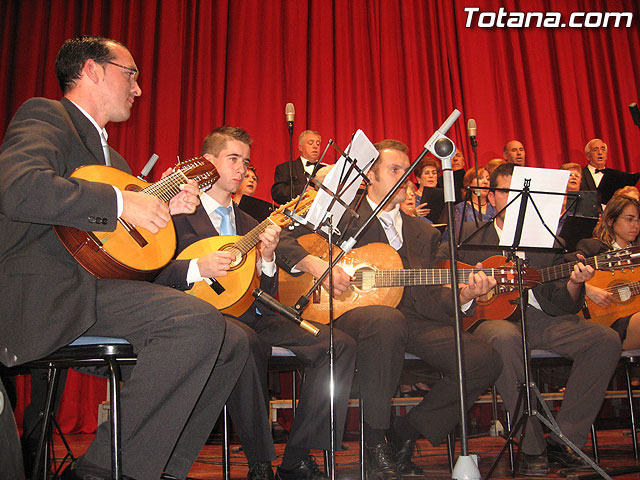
[239,261]
[133,188]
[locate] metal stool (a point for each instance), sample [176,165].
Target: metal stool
[84,352]
[628,359]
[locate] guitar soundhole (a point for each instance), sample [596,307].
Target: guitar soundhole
[240,259]
[623,293]
[133,188]
[364,279]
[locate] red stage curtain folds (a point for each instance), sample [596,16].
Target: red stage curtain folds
[392,69]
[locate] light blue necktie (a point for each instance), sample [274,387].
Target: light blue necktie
[105,149]
[395,240]
[225,225]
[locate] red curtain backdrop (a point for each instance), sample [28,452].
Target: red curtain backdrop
[392,69]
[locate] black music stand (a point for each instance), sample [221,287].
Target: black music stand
[529,388]
[349,174]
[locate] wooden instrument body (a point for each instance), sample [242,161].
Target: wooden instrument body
[625,286]
[499,302]
[374,256]
[241,279]
[116,254]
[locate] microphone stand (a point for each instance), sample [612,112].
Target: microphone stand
[290,128]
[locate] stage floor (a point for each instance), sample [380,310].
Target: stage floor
[615,451]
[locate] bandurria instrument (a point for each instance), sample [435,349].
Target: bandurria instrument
[234,298]
[131,252]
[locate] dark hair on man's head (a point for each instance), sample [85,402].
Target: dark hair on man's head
[215,142]
[75,52]
[388,144]
[504,170]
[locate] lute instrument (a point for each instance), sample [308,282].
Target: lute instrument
[131,252]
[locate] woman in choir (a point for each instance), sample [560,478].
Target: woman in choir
[248,186]
[426,173]
[477,207]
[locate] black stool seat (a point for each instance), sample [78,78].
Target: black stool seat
[86,351]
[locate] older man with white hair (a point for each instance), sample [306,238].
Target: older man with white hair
[596,175]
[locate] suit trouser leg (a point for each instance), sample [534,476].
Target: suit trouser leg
[506,339]
[594,349]
[177,339]
[439,412]
[381,336]
[310,428]
[248,404]
[214,395]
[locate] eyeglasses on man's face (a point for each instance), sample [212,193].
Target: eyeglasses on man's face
[133,73]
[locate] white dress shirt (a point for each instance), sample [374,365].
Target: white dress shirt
[210,205]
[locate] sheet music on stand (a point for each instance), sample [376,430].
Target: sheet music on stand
[343,181]
[534,233]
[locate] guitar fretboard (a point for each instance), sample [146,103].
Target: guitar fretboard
[251,239]
[421,276]
[605,261]
[168,187]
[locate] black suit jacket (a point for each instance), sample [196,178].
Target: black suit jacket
[420,240]
[611,181]
[554,298]
[193,227]
[590,247]
[49,298]
[281,188]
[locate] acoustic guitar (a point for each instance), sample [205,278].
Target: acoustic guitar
[501,302]
[131,252]
[625,287]
[378,278]
[233,295]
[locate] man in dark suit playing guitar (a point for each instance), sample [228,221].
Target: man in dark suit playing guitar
[228,148]
[551,325]
[420,325]
[167,413]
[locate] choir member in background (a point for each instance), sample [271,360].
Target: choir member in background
[309,147]
[249,184]
[514,153]
[426,173]
[494,163]
[597,176]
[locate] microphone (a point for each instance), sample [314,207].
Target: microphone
[287,312]
[471,131]
[290,113]
[635,113]
[147,168]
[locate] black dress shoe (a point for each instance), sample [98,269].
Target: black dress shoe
[306,470]
[562,455]
[534,465]
[260,471]
[404,465]
[381,462]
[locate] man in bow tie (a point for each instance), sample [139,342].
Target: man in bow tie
[596,175]
[309,146]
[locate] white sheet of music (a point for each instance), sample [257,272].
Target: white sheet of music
[534,234]
[362,151]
